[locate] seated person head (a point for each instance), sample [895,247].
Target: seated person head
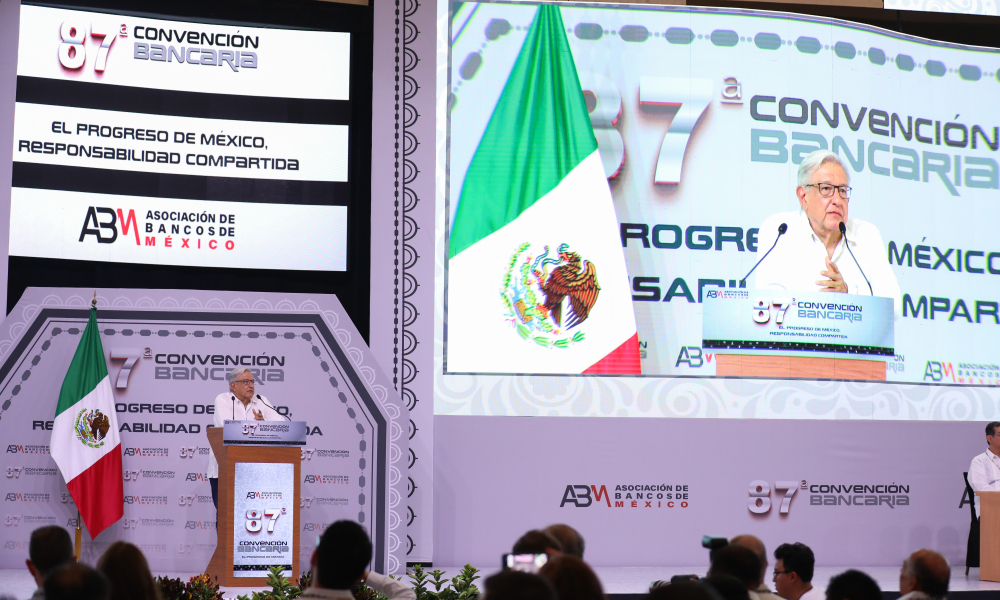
[569,538]
[572,578]
[740,562]
[518,585]
[76,581]
[537,541]
[853,585]
[48,548]
[342,556]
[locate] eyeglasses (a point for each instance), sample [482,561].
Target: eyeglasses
[775,574]
[826,190]
[244,381]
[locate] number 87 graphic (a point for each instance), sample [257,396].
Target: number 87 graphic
[73,49]
[254,521]
[759,501]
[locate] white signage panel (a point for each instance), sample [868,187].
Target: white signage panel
[263,525]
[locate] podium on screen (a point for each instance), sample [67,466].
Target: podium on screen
[800,335]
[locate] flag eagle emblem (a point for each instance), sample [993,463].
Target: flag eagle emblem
[548,295]
[92,427]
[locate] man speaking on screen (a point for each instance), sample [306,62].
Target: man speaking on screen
[813,247]
[240,403]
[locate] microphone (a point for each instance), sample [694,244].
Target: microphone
[781,231]
[234,407]
[271,407]
[843,232]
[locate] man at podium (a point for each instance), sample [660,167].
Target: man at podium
[984,472]
[240,403]
[812,248]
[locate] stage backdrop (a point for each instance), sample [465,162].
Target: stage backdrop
[168,353]
[644,491]
[702,117]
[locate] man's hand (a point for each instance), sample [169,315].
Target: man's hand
[835,281]
[258,415]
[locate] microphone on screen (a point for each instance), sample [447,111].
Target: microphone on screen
[271,407]
[843,232]
[781,231]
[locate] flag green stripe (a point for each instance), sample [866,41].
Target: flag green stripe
[540,130]
[87,368]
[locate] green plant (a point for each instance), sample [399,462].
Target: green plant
[200,587]
[363,592]
[281,587]
[460,587]
[172,589]
[305,580]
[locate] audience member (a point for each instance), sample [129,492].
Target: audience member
[739,562]
[518,585]
[569,538]
[128,573]
[537,541]
[338,565]
[76,581]
[572,578]
[925,574]
[793,572]
[726,586]
[754,543]
[853,585]
[687,590]
[48,548]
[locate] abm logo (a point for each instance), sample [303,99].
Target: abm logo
[937,371]
[106,231]
[580,495]
[31,449]
[693,357]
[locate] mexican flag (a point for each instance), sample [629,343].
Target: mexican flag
[536,274]
[85,442]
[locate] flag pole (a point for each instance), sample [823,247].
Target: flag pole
[79,538]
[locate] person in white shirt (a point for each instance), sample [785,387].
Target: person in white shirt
[240,403]
[924,576]
[984,472]
[793,572]
[811,254]
[339,564]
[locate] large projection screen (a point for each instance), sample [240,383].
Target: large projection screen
[732,100]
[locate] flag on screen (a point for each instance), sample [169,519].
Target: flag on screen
[537,277]
[85,442]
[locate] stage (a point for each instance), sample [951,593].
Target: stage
[622,583]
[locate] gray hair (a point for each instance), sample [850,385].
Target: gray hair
[815,160]
[236,373]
